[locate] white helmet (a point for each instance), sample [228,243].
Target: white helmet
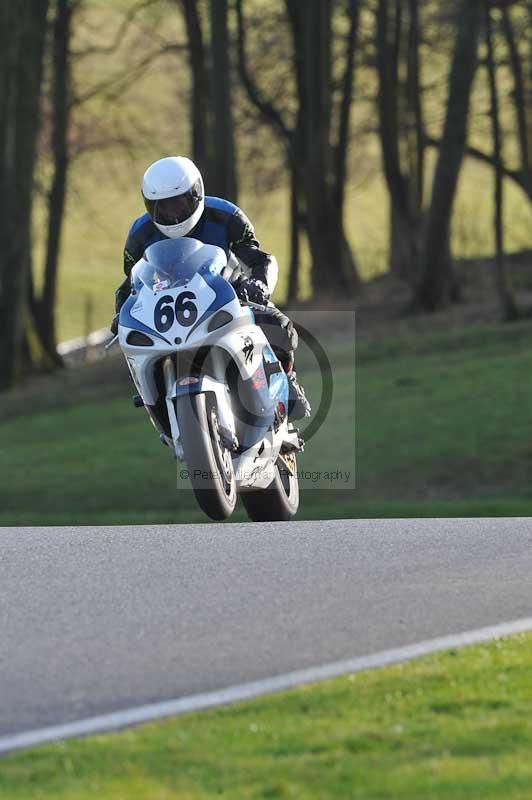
[174,196]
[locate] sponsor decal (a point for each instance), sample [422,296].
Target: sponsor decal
[248,349]
[258,379]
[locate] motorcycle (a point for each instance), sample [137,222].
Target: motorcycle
[210,382]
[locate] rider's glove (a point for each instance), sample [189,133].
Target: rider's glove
[253,290]
[114,325]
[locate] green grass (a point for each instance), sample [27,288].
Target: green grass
[443,428]
[455,420]
[452,725]
[101,461]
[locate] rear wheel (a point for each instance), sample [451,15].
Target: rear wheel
[280,501]
[209,461]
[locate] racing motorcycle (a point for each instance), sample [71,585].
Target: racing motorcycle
[210,382]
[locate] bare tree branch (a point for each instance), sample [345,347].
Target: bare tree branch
[264,106]
[340,153]
[120,33]
[486,158]
[519,93]
[124,79]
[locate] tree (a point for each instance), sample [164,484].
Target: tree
[211,95]
[22,36]
[200,83]
[317,141]
[521,98]
[321,157]
[504,292]
[521,95]
[436,285]
[222,177]
[43,307]
[290,137]
[401,129]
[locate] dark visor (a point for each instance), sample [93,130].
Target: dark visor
[173,210]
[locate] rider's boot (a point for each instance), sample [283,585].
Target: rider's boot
[298,405]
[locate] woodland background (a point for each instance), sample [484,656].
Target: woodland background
[362,137]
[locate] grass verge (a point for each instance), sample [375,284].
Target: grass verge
[452,725]
[443,428]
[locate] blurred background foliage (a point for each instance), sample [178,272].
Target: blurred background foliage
[258,91]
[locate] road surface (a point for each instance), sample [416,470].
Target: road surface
[98,620]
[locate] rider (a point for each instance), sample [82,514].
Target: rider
[176,205]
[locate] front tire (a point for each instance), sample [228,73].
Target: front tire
[279,502]
[208,460]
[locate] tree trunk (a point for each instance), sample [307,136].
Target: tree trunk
[333,266]
[348,78]
[404,244]
[200,85]
[415,127]
[318,163]
[222,178]
[405,190]
[20,127]
[7,66]
[522,103]
[436,286]
[295,230]
[504,292]
[61,96]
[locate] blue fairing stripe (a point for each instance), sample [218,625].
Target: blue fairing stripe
[128,321]
[278,388]
[192,388]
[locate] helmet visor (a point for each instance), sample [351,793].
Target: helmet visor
[173,210]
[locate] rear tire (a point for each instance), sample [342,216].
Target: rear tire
[280,501]
[208,460]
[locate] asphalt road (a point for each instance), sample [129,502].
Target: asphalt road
[94,620]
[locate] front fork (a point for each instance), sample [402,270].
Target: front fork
[205,384]
[170,377]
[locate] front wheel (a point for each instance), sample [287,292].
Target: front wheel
[280,500]
[209,461]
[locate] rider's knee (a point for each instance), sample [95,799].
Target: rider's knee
[290,339]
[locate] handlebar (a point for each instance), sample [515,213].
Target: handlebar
[268,309]
[112,342]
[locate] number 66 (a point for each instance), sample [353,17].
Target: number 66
[183,310]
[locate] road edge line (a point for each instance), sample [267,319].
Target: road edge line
[117,720]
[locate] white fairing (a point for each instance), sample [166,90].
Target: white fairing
[177,319]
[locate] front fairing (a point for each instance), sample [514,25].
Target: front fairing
[171,263]
[176,288]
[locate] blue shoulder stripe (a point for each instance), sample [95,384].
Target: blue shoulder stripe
[221,205]
[139,222]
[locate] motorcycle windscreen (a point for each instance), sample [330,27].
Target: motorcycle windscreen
[174,262]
